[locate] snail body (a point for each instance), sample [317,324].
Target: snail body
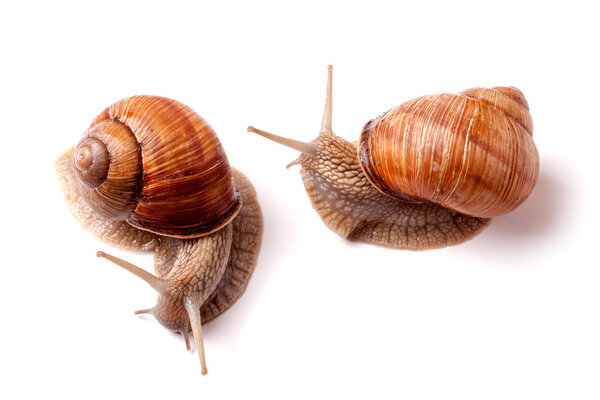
[426,174]
[150,175]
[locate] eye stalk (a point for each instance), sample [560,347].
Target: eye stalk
[303,147]
[428,173]
[91,162]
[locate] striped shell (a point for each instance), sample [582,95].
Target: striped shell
[157,164]
[470,152]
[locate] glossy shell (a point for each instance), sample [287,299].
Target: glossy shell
[175,179]
[471,152]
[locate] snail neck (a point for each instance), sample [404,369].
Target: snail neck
[336,185]
[189,271]
[334,164]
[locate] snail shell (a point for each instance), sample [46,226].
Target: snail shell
[470,152]
[157,164]
[427,174]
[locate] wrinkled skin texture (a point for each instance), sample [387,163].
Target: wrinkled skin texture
[212,271]
[352,207]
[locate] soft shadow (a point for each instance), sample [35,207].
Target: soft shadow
[273,254]
[537,214]
[533,224]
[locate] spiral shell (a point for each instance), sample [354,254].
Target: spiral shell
[471,152]
[167,171]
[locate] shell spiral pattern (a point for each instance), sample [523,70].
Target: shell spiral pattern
[184,187]
[471,152]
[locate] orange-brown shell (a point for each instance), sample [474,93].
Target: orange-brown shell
[183,185]
[471,152]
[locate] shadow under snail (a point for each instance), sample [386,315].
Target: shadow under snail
[150,174]
[429,173]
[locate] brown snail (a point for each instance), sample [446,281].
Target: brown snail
[151,174]
[426,174]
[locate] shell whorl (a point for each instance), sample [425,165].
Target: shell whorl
[471,152]
[507,99]
[177,177]
[91,162]
[108,165]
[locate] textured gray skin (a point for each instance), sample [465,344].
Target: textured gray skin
[246,233]
[352,207]
[213,270]
[199,265]
[246,240]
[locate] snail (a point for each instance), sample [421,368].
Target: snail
[150,174]
[429,173]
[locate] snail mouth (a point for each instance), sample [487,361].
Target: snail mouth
[305,148]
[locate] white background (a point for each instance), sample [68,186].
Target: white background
[512,314]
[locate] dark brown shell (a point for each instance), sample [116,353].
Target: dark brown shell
[182,184]
[471,152]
